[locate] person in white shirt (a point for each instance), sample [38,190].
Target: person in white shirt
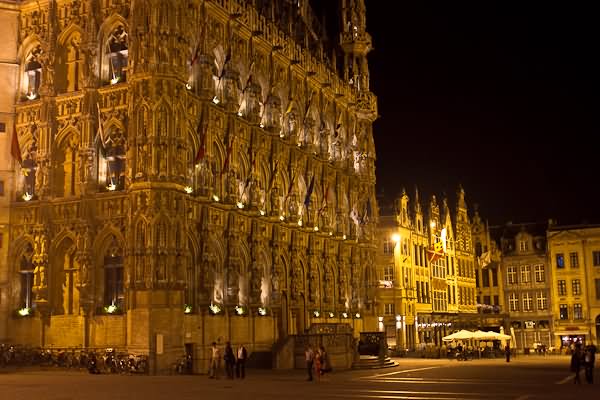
[309,355]
[240,366]
[215,361]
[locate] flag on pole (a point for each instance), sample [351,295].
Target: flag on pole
[15,148]
[367,213]
[201,130]
[274,175]
[485,259]
[311,186]
[100,138]
[291,186]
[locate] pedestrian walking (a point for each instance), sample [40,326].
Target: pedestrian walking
[325,362]
[576,363]
[507,352]
[215,361]
[590,360]
[318,363]
[240,365]
[309,356]
[229,359]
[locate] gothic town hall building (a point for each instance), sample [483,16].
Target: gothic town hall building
[178,172]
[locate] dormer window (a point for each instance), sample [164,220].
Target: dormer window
[523,245]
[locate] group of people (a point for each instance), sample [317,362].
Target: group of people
[235,362]
[583,359]
[316,360]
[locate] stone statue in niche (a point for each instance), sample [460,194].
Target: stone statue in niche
[297,281]
[314,285]
[275,201]
[255,283]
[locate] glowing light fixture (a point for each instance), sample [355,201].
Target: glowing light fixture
[187,309]
[330,233]
[432,224]
[299,222]
[27,196]
[395,238]
[31,96]
[239,114]
[215,197]
[331,315]
[344,237]
[188,86]
[316,229]
[281,217]
[112,187]
[111,309]
[262,212]
[188,189]
[262,311]
[114,80]
[23,312]
[261,125]
[215,100]
[214,308]
[240,310]
[357,315]
[281,135]
[239,205]
[316,314]
[344,315]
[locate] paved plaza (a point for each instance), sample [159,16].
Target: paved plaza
[523,378]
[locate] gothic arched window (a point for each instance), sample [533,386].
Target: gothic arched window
[114,294]
[33,74]
[111,171]
[117,53]
[26,278]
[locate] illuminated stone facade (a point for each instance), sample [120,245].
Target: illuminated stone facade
[234,168]
[420,298]
[574,260]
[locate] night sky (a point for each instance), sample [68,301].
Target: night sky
[499,97]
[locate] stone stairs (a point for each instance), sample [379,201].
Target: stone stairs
[373,362]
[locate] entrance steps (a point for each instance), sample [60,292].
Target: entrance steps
[373,362]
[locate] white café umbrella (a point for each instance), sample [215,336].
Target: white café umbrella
[460,335]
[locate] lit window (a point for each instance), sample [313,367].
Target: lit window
[389,309]
[523,245]
[512,275]
[542,301]
[525,273]
[539,273]
[562,287]
[388,273]
[527,302]
[564,311]
[576,286]
[513,300]
[577,311]
[574,259]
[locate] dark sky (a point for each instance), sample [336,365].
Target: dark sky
[500,97]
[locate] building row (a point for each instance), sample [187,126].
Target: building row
[441,270]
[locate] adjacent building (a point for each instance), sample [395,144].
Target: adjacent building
[527,283]
[423,293]
[574,259]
